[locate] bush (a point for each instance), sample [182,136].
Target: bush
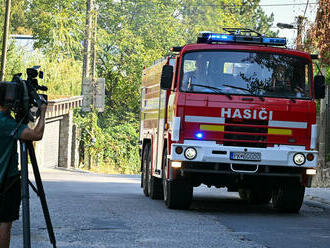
[62,77]
[111,144]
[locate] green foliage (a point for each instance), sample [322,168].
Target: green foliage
[327,74]
[251,15]
[63,78]
[15,61]
[112,144]
[17,16]
[58,26]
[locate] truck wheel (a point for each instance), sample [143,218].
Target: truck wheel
[288,197]
[259,196]
[177,194]
[156,188]
[145,171]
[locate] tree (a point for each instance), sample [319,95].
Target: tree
[133,34]
[58,26]
[252,16]
[318,35]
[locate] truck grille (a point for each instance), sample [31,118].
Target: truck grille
[246,133]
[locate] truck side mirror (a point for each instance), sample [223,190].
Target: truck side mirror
[166,78]
[319,87]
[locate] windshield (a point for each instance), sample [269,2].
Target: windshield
[245,73]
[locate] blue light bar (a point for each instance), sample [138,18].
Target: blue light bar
[221,38]
[274,41]
[233,38]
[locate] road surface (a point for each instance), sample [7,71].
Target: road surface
[93,210]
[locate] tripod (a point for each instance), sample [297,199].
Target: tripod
[27,150]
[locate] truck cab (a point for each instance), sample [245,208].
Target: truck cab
[235,110]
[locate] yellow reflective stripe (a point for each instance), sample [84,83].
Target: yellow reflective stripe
[216,128]
[150,116]
[279,131]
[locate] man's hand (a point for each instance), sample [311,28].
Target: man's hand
[43,109]
[36,133]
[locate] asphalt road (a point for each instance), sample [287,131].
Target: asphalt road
[92,210]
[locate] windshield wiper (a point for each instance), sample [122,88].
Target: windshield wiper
[217,90]
[240,88]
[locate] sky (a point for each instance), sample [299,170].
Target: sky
[287,14]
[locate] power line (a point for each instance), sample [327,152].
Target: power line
[306,8]
[261,5]
[143,3]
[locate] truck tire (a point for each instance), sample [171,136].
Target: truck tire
[156,188]
[153,185]
[259,196]
[177,193]
[288,197]
[145,171]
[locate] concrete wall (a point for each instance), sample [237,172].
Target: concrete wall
[58,148]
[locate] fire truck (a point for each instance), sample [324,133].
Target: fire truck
[236,110]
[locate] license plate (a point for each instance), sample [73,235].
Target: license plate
[246,156]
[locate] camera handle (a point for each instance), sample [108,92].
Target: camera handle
[27,149]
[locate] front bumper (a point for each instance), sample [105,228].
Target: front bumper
[209,151]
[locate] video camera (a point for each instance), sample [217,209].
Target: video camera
[21,95]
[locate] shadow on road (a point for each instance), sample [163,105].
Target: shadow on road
[228,205]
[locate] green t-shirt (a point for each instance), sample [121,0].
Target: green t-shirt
[8,145]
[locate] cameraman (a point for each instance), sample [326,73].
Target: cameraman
[10,187]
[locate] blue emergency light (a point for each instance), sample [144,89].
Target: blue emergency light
[221,37]
[274,41]
[208,37]
[199,135]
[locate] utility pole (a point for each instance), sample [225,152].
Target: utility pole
[87,42]
[300,20]
[95,12]
[5,40]
[86,88]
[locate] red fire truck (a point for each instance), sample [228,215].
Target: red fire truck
[234,110]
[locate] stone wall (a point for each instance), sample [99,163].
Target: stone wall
[322,178]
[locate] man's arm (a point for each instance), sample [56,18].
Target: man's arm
[36,133]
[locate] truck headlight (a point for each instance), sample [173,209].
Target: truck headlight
[299,159]
[190,153]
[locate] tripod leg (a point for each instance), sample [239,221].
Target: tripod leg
[25,197]
[41,193]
